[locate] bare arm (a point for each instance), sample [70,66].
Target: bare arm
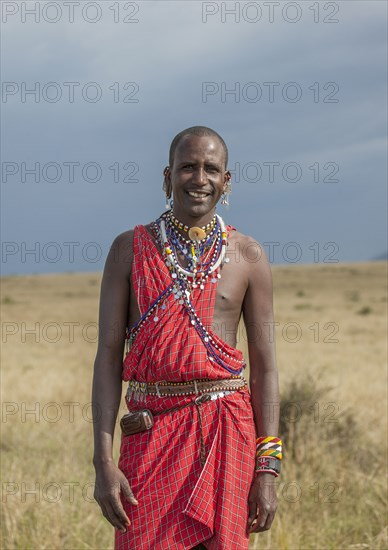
[258,317]
[106,391]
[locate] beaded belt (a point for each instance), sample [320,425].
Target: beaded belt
[200,386]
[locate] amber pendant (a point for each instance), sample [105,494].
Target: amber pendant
[196,233]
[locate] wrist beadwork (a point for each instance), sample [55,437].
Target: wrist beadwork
[270,446]
[266,464]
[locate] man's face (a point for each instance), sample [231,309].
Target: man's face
[197,177]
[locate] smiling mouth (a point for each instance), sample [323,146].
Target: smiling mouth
[198,194]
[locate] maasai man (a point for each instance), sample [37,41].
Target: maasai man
[197,466]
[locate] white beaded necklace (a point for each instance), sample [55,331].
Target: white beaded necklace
[173,261]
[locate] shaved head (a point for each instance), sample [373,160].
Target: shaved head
[196,131]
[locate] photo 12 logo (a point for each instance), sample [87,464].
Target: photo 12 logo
[69,171]
[51,252]
[70,12]
[270,12]
[289,252]
[265,172]
[69,92]
[269,92]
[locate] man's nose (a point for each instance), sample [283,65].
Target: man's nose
[200,176]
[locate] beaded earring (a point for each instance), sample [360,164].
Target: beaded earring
[164,187]
[225,195]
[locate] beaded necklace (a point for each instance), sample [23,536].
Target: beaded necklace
[187,243]
[185,280]
[196,272]
[200,257]
[181,225]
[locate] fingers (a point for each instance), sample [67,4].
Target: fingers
[269,520]
[115,518]
[120,516]
[112,508]
[260,517]
[262,504]
[128,494]
[111,487]
[115,514]
[252,516]
[263,521]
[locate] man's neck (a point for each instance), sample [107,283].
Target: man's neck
[200,221]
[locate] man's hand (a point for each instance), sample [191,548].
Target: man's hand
[262,503]
[110,482]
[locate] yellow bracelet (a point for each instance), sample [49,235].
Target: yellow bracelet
[269,446]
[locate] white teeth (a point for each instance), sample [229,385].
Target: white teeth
[197,195]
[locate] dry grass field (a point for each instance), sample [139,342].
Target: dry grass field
[331,352]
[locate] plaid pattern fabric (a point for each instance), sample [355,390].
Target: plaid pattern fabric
[180,503]
[170,349]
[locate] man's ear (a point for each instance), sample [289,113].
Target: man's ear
[167,181]
[227,178]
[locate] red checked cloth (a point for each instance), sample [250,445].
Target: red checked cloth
[180,503]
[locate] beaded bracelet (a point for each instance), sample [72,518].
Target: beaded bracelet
[269,446]
[268,465]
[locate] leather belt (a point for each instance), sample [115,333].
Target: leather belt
[196,387]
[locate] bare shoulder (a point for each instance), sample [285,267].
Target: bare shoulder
[242,238]
[120,256]
[251,252]
[122,245]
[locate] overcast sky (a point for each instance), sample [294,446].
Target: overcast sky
[297,90]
